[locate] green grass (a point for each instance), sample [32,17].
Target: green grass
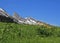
[22,33]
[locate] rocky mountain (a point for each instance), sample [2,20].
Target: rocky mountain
[5,17]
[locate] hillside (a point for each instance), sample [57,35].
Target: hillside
[24,33]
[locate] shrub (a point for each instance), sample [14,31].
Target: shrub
[44,32]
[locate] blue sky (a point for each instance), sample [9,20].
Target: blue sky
[44,10]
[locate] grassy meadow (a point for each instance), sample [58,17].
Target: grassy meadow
[22,33]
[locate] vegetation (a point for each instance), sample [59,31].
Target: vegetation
[22,33]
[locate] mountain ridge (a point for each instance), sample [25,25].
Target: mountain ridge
[18,19]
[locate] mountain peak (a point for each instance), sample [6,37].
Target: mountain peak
[30,18]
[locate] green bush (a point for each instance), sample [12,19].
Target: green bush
[44,32]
